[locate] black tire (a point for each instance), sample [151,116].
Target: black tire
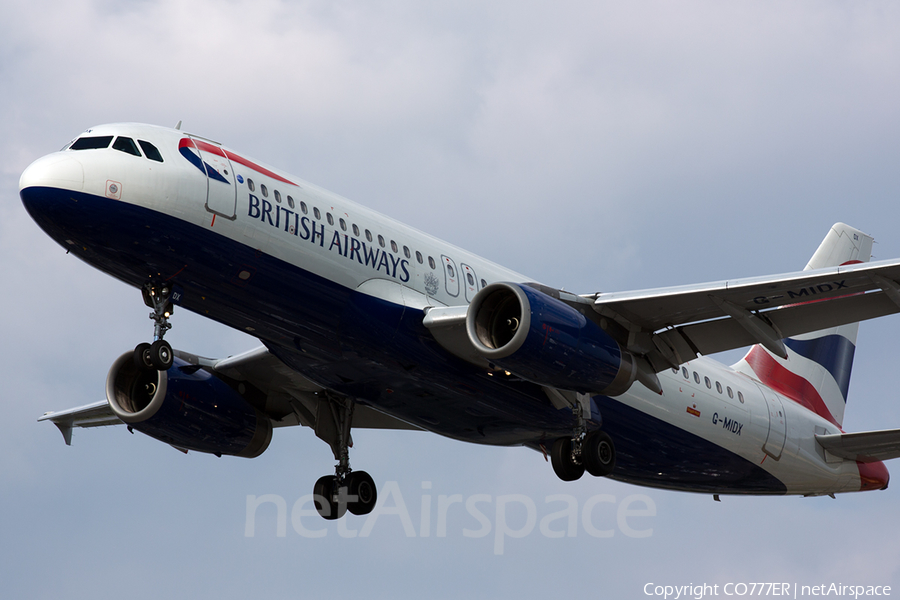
[564,464]
[598,454]
[142,357]
[161,355]
[361,486]
[323,494]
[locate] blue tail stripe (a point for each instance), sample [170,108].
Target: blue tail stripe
[834,352]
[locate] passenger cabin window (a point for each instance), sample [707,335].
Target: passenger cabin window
[406,252]
[419,257]
[343,225]
[355,230]
[303,208]
[696,377]
[381,240]
[264,190]
[91,143]
[394,247]
[317,213]
[150,151]
[330,218]
[431,263]
[251,185]
[277,196]
[708,382]
[684,372]
[741,397]
[368,235]
[483,283]
[730,393]
[290,201]
[718,387]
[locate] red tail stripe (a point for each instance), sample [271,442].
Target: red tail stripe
[798,389]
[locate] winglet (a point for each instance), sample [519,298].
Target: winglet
[66,430]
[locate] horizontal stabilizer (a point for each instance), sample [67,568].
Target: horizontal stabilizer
[864,446]
[97,414]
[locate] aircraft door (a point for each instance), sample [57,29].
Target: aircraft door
[221,196]
[451,276]
[469,281]
[777,423]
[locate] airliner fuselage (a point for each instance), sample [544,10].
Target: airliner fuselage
[341,296]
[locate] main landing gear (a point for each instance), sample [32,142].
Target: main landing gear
[346,490]
[593,452]
[158,355]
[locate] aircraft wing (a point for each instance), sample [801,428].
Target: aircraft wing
[672,325]
[290,398]
[282,393]
[865,446]
[97,414]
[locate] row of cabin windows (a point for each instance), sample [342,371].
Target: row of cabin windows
[343,224]
[708,382]
[122,144]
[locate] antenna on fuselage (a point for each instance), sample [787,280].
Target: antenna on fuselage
[178,126]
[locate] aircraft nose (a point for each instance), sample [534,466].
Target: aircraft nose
[59,170]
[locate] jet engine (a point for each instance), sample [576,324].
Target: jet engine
[546,341]
[186,407]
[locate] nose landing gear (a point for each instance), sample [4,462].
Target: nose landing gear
[158,355]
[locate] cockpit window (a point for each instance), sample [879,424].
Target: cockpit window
[150,151]
[91,143]
[127,145]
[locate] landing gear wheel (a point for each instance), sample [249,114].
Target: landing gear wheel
[361,486]
[324,493]
[142,357]
[598,454]
[161,355]
[564,463]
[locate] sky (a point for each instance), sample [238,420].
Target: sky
[594,146]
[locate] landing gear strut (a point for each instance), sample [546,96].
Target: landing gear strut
[346,490]
[593,452]
[157,355]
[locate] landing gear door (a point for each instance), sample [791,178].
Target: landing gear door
[221,197]
[777,424]
[451,276]
[469,281]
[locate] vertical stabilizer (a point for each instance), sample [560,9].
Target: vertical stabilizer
[817,370]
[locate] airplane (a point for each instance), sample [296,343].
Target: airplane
[367,323]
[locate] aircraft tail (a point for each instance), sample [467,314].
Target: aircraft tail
[816,372]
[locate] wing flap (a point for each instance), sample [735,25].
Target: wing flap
[719,335]
[291,398]
[864,446]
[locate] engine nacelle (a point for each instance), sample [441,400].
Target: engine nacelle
[186,407]
[546,341]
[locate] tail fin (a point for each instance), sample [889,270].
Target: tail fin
[816,372]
